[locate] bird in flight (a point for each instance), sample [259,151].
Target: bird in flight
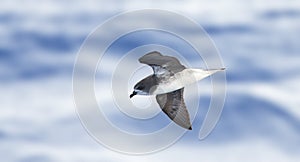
[167,83]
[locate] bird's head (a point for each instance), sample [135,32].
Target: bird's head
[139,89]
[144,86]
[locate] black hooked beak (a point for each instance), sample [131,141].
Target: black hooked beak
[133,94]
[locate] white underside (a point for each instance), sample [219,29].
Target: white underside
[182,79]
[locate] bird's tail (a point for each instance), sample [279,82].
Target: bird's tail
[215,69]
[203,73]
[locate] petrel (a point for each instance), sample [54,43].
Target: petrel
[167,83]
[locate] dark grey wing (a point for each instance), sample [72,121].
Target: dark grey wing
[162,64]
[173,105]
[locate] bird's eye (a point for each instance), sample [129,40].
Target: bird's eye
[140,87]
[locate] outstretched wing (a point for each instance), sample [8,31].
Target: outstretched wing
[173,105]
[160,64]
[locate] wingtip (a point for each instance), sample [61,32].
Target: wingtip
[143,58]
[153,52]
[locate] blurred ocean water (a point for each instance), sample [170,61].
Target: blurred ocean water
[258,41]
